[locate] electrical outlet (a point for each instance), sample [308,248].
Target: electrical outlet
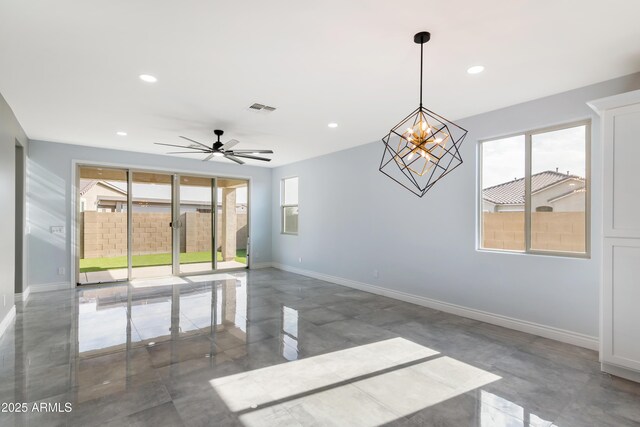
[375,273]
[4,300]
[300,260]
[60,271]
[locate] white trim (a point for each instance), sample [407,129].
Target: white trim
[545,331]
[259,265]
[24,296]
[620,372]
[46,287]
[615,101]
[6,322]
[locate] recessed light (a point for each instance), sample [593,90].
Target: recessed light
[120,133]
[476,69]
[148,78]
[333,125]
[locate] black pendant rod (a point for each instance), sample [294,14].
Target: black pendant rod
[421,55]
[421,38]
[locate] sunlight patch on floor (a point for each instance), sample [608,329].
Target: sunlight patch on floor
[367,385]
[201,278]
[159,281]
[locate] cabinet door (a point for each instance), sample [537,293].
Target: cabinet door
[621,173]
[621,303]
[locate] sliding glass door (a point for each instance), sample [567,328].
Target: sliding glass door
[102,242]
[233,224]
[142,224]
[196,223]
[151,225]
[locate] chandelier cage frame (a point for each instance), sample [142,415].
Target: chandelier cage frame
[423,147]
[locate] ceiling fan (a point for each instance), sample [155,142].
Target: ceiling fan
[219,149]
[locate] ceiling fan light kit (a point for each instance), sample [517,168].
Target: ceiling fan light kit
[424,146]
[219,149]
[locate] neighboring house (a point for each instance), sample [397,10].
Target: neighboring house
[102,196]
[550,192]
[94,195]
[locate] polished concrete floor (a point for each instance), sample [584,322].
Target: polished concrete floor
[273,348]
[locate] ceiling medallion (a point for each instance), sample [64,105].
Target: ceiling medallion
[424,146]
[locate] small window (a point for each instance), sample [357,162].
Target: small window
[535,192]
[289,205]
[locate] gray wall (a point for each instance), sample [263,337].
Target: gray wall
[10,133]
[49,198]
[354,220]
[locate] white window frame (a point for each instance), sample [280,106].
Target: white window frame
[527,192]
[283,206]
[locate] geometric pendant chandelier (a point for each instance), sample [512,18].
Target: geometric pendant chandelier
[424,146]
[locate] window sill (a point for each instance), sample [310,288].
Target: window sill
[572,255]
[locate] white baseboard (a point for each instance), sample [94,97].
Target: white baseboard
[24,296]
[46,287]
[259,265]
[550,332]
[6,322]
[620,372]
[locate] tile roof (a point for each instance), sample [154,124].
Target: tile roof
[512,192]
[86,185]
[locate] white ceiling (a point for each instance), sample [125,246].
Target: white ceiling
[69,69]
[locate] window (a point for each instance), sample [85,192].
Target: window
[535,191]
[289,205]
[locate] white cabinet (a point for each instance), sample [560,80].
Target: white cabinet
[620,293]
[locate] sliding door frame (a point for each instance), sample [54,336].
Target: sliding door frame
[76,164]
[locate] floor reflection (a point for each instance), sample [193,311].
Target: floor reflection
[289,333]
[266,347]
[156,311]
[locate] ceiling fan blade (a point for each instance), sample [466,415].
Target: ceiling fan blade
[230,143]
[247,156]
[253,151]
[208,157]
[185,152]
[235,159]
[199,143]
[179,146]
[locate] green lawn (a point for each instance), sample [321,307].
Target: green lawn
[101,264]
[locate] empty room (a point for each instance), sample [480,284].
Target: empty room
[339,213]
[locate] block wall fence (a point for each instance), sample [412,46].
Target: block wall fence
[104,234]
[558,231]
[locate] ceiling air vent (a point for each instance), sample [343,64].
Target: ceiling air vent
[262,107]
